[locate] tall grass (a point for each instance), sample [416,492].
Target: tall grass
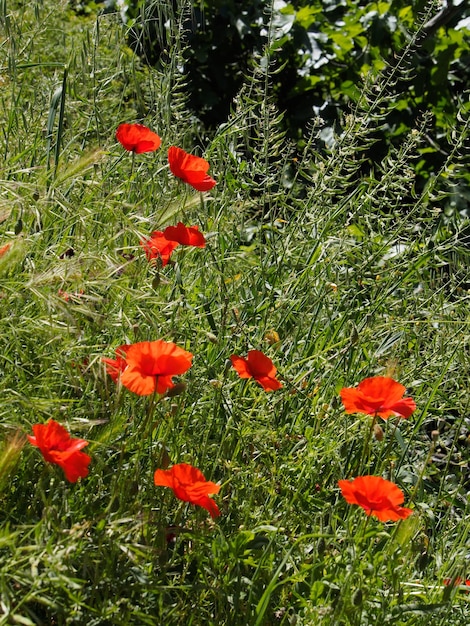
[357,272]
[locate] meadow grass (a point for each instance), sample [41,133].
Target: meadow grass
[359,273]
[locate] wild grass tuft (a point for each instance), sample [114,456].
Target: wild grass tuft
[335,270]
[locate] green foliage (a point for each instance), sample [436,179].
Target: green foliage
[357,269]
[319,54]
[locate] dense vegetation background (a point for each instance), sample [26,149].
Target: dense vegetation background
[319,55]
[337,243]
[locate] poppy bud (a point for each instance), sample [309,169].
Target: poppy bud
[369,569]
[334,403]
[212,338]
[165,459]
[378,432]
[357,597]
[354,335]
[176,390]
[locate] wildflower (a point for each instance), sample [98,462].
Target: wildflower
[115,367]
[158,247]
[137,138]
[185,235]
[191,169]
[58,447]
[258,366]
[376,496]
[4,249]
[456,582]
[377,396]
[150,366]
[188,484]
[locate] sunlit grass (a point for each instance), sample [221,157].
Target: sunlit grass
[336,277]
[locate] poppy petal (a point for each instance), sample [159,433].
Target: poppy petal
[258,366]
[139,383]
[137,138]
[208,503]
[185,235]
[188,484]
[378,395]
[158,247]
[268,384]
[163,478]
[58,447]
[377,496]
[241,366]
[75,465]
[404,407]
[4,249]
[382,386]
[114,367]
[189,168]
[151,365]
[206,184]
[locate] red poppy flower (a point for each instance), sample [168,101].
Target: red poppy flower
[456,582]
[4,249]
[137,138]
[115,367]
[158,247]
[258,366]
[377,396]
[188,484]
[191,169]
[151,365]
[185,235]
[376,496]
[58,447]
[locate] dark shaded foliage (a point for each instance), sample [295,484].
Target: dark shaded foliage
[320,55]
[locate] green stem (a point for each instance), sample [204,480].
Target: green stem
[389,446]
[363,531]
[366,450]
[132,165]
[155,398]
[423,470]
